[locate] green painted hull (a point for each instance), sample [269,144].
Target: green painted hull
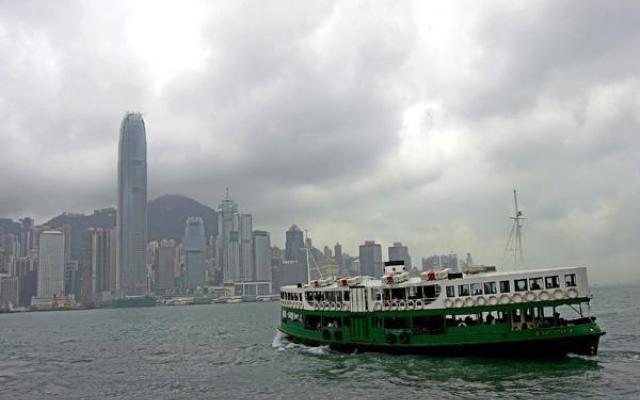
[364,332]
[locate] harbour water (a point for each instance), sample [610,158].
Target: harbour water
[233,352]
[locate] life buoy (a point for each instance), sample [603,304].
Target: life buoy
[459,303]
[376,306]
[448,303]
[402,305]
[469,302]
[517,298]
[573,293]
[326,305]
[504,299]
[387,304]
[481,301]
[394,305]
[558,294]
[531,296]
[493,300]
[544,295]
[419,304]
[411,304]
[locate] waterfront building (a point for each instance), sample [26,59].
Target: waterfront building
[262,255]
[9,291]
[195,247]
[371,259]
[399,252]
[131,278]
[51,264]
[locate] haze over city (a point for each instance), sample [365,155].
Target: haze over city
[389,121]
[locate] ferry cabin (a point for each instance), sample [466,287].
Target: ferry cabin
[513,313]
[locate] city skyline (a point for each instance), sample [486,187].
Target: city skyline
[409,123]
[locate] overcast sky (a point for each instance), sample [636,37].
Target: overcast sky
[393,121]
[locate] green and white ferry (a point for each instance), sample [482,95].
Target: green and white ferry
[534,313]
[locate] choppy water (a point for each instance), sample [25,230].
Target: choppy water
[233,352]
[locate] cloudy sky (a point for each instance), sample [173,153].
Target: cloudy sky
[394,121]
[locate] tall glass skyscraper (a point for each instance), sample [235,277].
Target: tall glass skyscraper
[132,207]
[195,246]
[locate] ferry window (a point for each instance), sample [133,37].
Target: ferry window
[535,283]
[346,296]
[520,285]
[398,294]
[450,291]
[570,280]
[552,282]
[419,292]
[463,290]
[476,289]
[429,292]
[505,287]
[490,288]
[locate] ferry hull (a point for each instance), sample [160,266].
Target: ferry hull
[533,348]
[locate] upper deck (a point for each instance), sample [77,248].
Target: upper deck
[438,290]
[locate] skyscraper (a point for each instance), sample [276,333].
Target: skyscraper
[294,244]
[371,259]
[228,239]
[131,264]
[398,252]
[262,255]
[195,246]
[51,264]
[96,264]
[246,271]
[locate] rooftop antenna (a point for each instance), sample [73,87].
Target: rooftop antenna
[514,244]
[306,250]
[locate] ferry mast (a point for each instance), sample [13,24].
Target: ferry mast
[514,244]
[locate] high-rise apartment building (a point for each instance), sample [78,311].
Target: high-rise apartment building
[371,259]
[51,264]
[195,247]
[132,207]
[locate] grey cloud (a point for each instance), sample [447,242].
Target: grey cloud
[300,109]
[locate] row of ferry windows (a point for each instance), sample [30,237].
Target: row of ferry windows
[520,285]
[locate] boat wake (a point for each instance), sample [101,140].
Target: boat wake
[281,343]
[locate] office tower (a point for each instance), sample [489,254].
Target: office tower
[294,244]
[339,260]
[398,252]
[371,259]
[327,252]
[96,265]
[131,222]
[262,255]
[195,246]
[228,234]
[51,264]
[246,272]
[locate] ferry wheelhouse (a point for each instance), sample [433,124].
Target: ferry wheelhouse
[533,313]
